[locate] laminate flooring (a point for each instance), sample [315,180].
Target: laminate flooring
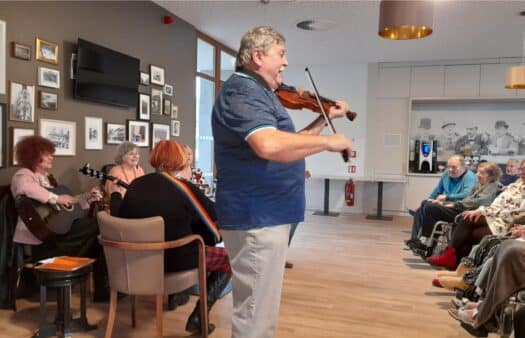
[351,278]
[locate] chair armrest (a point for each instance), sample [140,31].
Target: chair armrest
[152,245]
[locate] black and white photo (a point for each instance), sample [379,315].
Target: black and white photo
[93,133]
[159,132]
[174,111]
[167,107]
[175,128]
[21,102]
[63,134]
[138,133]
[168,90]
[115,133]
[156,75]
[46,51]
[47,100]
[20,51]
[48,77]
[144,79]
[144,107]
[18,134]
[156,101]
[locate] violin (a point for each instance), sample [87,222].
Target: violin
[298,98]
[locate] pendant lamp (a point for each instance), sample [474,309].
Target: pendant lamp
[516,74]
[404,20]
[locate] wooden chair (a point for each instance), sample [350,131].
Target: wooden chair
[134,250]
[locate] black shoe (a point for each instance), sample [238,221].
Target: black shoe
[177,299]
[417,245]
[476,332]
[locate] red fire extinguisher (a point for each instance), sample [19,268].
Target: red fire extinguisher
[350,192]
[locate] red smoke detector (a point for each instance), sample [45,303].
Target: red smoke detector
[168,20]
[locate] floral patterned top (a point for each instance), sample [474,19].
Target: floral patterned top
[506,209]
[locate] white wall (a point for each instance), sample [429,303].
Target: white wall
[349,84]
[380,94]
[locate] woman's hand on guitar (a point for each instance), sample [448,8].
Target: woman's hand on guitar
[338,110]
[65,200]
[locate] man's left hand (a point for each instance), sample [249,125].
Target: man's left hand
[338,110]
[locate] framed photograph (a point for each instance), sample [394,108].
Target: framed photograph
[144,79]
[156,75]
[144,107]
[21,102]
[48,77]
[3,126]
[93,133]
[175,128]
[18,134]
[168,90]
[46,51]
[115,133]
[47,100]
[159,132]
[167,107]
[63,134]
[20,51]
[156,101]
[138,133]
[174,111]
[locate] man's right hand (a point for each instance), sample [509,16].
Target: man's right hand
[65,200]
[339,143]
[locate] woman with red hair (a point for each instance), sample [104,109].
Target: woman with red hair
[185,210]
[35,155]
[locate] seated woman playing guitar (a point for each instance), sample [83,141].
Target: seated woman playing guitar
[127,169]
[33,180]
[185,210]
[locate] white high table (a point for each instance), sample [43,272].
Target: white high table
[380,179]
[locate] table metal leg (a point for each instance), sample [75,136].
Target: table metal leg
[326,210]
[379,214]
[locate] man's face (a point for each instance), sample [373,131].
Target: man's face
[471,132]
[271,65]
[511,168]
[454,168]
[500,131]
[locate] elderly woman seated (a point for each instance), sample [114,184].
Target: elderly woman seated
[79,237]
[482,194]
[495,219]
[505,277]
[185,211]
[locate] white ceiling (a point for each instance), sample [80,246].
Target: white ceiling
[462,29]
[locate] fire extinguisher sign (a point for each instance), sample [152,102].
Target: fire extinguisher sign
[352,169]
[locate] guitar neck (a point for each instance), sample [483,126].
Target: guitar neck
[86,170]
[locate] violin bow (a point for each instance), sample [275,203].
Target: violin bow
[344,153]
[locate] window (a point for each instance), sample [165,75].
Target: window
[215,64]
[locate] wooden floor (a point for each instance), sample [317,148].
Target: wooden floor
[351,278]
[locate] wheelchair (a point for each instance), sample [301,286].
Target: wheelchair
[511,321]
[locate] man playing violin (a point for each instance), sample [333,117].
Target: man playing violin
[260,177]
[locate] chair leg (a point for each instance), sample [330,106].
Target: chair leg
[158,303]
[203,295]
[133,313]
[112,312]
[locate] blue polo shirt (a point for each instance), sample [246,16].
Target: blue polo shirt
[253,192]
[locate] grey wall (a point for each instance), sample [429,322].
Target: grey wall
[131,27]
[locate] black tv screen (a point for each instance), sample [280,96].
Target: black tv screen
[106,76]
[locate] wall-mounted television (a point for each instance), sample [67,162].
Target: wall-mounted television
[106,76]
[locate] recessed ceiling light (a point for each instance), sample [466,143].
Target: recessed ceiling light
[315,25]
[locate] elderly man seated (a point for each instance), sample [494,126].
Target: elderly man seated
[454,185]
[512,172]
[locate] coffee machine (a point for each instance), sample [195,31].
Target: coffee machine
[425,156]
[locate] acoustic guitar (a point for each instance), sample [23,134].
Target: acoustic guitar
[45,220]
